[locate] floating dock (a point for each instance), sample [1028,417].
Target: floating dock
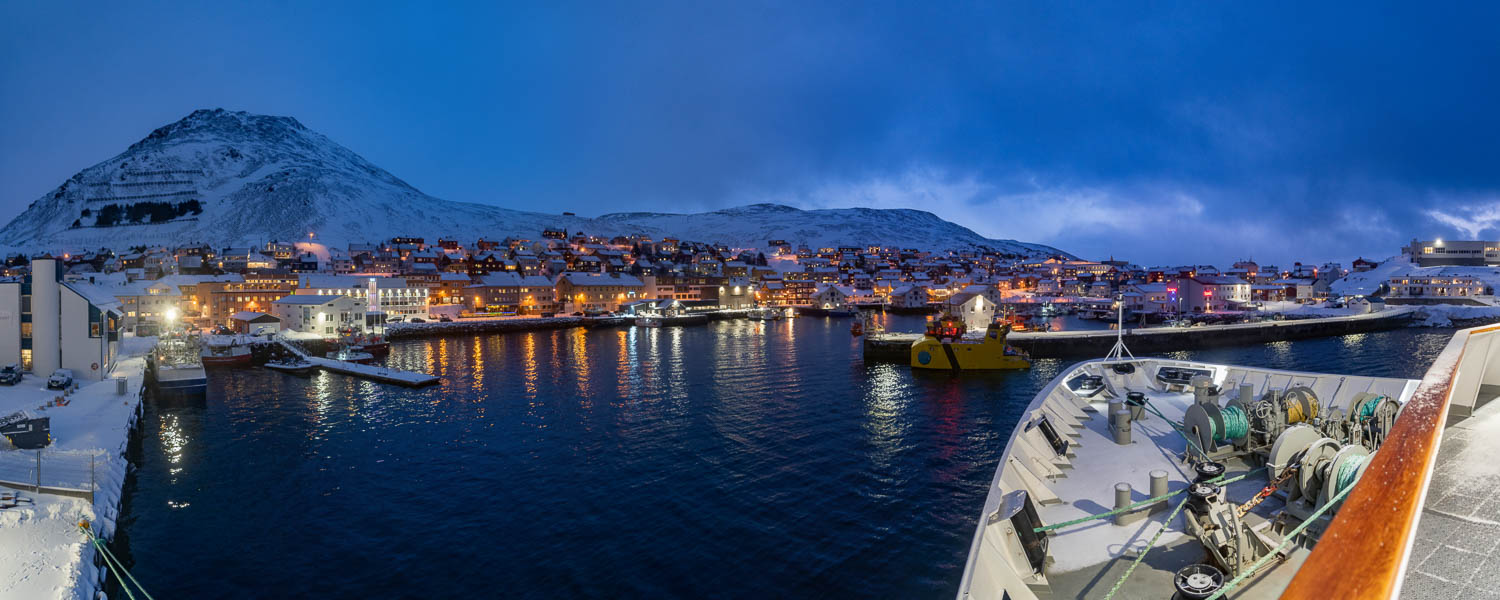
[896,347]
[371,372]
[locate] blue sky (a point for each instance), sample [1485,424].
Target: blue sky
[1160,132]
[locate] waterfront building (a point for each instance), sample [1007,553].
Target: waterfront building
[596,292]
[322,315]
[1151,298]
[908,297]
[48,324]
[395,298]
[1208,293]
[254,323]
[1438,285]
[832,296]
[1437,253]
[510,292]
[973,308]
[218,299]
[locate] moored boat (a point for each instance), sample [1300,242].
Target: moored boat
[648,322]
[175,367]
[351,355]
[294,366]
[943,346]
[224,351]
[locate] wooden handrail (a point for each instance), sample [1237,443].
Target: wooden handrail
[1363,553]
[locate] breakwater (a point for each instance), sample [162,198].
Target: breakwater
[896,347]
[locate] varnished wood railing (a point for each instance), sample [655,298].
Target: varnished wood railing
[1363,553]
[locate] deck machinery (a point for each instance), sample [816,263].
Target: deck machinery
[1262,459]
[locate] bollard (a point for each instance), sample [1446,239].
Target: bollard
[1122,500]
[1115,405]
[1158,488]
[1203,390]
[1120,425]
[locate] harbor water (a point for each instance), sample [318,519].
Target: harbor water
[736,459]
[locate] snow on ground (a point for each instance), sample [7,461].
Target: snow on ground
[1445,315]
[42,552]
[1368,282]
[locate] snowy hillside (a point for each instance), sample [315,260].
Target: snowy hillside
[754,225]
[233,178]
[1368,282]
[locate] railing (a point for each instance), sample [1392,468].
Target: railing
[60,472]
[1364,552]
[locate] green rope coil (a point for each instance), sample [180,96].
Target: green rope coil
[1368,410]
[1236,424]
[1348,473]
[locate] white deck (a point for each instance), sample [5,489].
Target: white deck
[1085,560]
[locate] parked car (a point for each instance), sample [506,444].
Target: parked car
[10,374]
[444,319]
[60,379]
[418,320]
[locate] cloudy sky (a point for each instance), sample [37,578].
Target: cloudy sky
[1196,132]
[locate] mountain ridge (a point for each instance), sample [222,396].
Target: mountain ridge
[235,178]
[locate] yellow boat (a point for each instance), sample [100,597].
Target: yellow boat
[943,347]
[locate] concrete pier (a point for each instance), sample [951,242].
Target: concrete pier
[896,347]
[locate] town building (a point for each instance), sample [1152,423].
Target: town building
[1439,253]
[396,299]
[48,324]
[596,292]
[511,292]
[323,315]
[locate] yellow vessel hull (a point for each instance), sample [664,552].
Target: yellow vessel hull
[930,353]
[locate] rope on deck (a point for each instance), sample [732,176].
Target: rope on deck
[1275,552]
[1139,557]
[1217,481]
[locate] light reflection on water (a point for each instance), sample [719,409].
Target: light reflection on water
[607,463]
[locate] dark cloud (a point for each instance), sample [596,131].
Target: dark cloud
[1169,132]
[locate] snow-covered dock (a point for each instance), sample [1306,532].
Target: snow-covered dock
[381,374]
[43,554]
[372,372]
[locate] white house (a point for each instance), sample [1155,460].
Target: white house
[58,325]
[975,309]
[832,296]
[323,315]
[910,297]
[396,299]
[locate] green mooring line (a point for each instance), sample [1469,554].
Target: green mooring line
[1217,481]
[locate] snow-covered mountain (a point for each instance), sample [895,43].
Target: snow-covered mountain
[754,225]
[233,178]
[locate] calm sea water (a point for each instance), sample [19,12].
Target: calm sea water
[736,459]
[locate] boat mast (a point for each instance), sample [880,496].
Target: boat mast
[1119,351]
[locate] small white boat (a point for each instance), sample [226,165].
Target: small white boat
[353,356]
[765,313]
[293,366]
[648,322]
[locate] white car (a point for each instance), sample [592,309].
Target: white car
[60,379]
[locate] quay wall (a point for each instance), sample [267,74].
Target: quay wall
[401,331]
[1071,344]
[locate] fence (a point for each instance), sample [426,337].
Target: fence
[60,472]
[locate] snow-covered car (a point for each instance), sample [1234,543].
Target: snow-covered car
[10,374]
[60,379]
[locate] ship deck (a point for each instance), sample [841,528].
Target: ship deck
[1457,551]
[1090,559]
